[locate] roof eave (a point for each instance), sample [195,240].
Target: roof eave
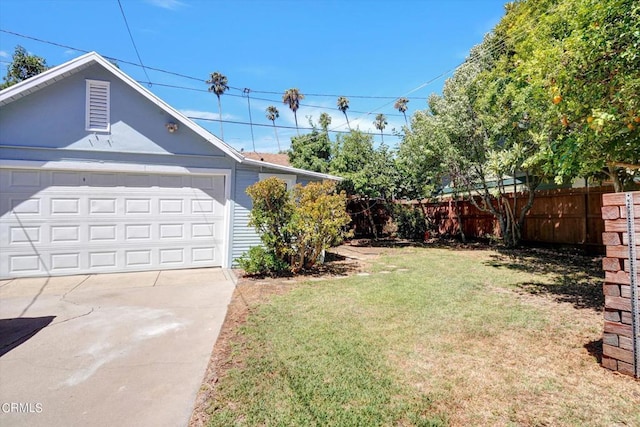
[289,169]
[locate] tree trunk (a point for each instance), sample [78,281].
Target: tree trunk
[613,174]
[372,223]
[456,211]
[275,129]
[220,114]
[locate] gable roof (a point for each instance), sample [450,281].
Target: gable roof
[275,158]
[52,75]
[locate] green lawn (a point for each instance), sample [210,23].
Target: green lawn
[430,337]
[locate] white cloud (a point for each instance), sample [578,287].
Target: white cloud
[4,54]
[207,115]
[166,4]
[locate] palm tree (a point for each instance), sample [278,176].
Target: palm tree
[401,105]
[218,85]
[380,123]
[325,121]
[273,114]
[343,105]
[292,97]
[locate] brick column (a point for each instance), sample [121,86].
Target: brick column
[617,341]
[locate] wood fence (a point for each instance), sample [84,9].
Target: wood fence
[570,216]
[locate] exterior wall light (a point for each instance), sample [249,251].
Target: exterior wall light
[172,127]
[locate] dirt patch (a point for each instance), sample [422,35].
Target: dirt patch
[250,292]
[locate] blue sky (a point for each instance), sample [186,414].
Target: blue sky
[352,48]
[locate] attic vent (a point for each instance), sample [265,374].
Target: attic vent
[97,108]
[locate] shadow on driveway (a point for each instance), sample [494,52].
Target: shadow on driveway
[17,331]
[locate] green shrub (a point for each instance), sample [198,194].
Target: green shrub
[296,226]
[411,222]
[318,222]
[271,215]
[261,261]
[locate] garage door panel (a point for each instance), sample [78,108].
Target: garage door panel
[103,206]
[84,222]
[204,254]
[64,206]
[172,256]
[101,179]
[138,257]
[65,261]
[66,179]
[137,232]
[64,233]
[102,259]
[24,235]
[25,263]
[171,206]
[24,206]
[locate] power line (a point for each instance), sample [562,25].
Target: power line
[472,59]
[335,96]
[123,61]
[132,41]
[256,98]
[500,44]
[198,79]
[238,122]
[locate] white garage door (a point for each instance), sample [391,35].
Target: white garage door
[69,222]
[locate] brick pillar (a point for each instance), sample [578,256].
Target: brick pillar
[618,339]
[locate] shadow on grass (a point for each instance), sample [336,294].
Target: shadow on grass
[595,349]
[434,242]
[577,279]
[334,265]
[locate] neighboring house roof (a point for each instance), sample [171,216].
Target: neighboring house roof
[73,66]
[275,158]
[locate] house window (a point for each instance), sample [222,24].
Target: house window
[290,180]
[97,107]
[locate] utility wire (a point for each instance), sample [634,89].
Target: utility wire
[497,47]
[471,59]
[132,41]
[256,98]
[123,61]
[185,76]
[247,91]
[237,122]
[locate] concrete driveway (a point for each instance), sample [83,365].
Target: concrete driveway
[111,349]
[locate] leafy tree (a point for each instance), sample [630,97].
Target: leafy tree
[272,114]
[352,157]
[22,66]
[572,80]
[292,98]
[475,144]
[311,151]
[419,161]
[218,85]
[343,105]
[380,123]
[368,173]
[401,105]
[325,122]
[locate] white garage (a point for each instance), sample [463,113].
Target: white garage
[69,221]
